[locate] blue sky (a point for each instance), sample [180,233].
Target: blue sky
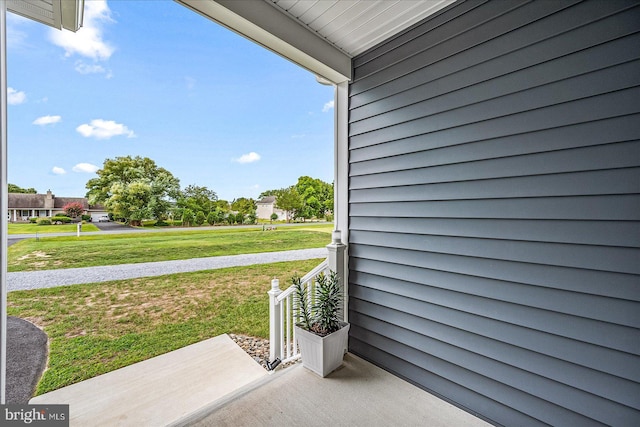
[154,79]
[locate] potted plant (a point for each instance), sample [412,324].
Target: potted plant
[320,334]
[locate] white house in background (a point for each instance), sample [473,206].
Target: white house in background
[23,206]
[267,207]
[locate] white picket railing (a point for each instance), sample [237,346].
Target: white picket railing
[284,315]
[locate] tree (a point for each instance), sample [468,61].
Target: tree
[316,195]
[244,205]
[289,201]
[211,218]
[188,217]
[274,216]
[12,188]
[133,188]
[73,209]
[198,199]
[200,218]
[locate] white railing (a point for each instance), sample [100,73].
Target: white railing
[284,315]
[283,312]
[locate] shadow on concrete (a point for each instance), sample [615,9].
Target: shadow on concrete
[27,353]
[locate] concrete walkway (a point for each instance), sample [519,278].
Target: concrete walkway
[161,390]
[71,276]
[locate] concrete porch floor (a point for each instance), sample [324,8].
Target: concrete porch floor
[215,383]
[357,394]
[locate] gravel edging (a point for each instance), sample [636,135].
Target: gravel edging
[257,348]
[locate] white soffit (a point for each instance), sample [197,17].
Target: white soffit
[357,25]
[320,35]
[58,14]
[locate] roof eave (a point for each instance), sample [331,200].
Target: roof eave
[267,26]
[58,14]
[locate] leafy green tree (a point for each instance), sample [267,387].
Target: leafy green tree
[188,217]
[274,216]
[211,218]
[244,205]
[231,218]
[197,199]
[289,200]
[12,188]
[133,188]
[316,195]
[252,218]
[240,217]
[200,218]
[73,209]
[267,194]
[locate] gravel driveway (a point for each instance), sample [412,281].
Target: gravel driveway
[70,276]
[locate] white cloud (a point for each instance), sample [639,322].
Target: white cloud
[248,158]
[85,168]
[47,120]
[88,41]
[84,68]
[104,129]
[58,170]
[327,106]
[15,97]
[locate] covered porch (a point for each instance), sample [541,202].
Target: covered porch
[215,383]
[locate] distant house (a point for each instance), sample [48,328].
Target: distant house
[267,207]
[25,206]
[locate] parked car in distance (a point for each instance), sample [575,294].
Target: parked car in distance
[103,218]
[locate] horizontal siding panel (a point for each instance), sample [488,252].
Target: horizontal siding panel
[623,208]
[577,111]
[441,268]
[603,258]
[507,18]
[620,390]
[465,397]
[494,209]
[492,80]
[570,328]
[618,181]
[577,31]
[450,147]
[419,168]
[429,287]
[605,233]
[483,101]
[562,396]
[593,357]
[441,17]
[545,412]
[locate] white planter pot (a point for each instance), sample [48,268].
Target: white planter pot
[322,355]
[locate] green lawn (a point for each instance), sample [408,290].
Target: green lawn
[97,328]
[35,228]
[106,249]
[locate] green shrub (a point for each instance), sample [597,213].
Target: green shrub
[44,221]
[161,223]
[200,218]
[33,220]
[86,218]
[60,218]
[211,218]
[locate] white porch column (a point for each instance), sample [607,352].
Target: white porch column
[338,248]
[275,322]
[4,201]
[337,263]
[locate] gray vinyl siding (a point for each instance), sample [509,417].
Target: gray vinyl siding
[494,209]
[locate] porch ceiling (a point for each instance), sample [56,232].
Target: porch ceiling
[321,36]
[59,14]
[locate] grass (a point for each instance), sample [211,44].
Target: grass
[35,228]
[97,328]
[97,250]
